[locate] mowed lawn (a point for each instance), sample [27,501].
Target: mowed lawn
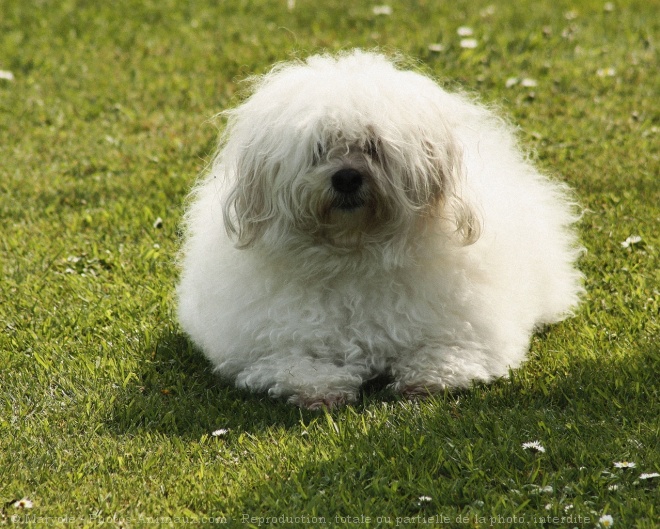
[109,417]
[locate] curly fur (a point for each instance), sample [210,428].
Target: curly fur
[435,271]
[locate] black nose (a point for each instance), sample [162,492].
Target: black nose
[347,181]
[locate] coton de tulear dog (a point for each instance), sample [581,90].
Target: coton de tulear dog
[358,220]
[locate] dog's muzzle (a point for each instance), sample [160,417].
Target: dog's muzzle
[347,185]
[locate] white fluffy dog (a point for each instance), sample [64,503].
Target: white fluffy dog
[359,220]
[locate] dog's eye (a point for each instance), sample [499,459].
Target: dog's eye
[371,149]
[319,153]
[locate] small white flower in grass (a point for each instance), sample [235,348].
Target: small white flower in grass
[221,432]
[423,499]
[606,521]
[649,475]
[511,81]
[608,7]
[571,15]
[382,10]
[436,47]
[568,507]
[469,44]
[613,487]
[7,76]
[624,464]
[568,33]
[464,31]
[633,239]
[291,4]
[488,11]
[606,72]
[23,504]
[528,83]
[535,489]
[533,445]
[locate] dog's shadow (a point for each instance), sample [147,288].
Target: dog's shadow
[176,392]
[420,446]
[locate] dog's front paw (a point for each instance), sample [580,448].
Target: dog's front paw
[432,370]
[317,402]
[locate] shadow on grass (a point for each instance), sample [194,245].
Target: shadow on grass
[468,446]
[177,393]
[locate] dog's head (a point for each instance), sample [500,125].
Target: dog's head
[344,152]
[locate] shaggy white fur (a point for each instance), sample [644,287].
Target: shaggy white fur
[359,220]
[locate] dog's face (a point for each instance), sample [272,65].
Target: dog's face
[342,153]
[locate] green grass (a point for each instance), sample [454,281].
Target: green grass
[106,411]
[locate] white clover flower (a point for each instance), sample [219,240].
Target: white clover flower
[533,445]
[464,31]
[23,504]
[606,72]
[633,239]
[606,521]
[469,43]
[220,432]
[624,464]
[382,10]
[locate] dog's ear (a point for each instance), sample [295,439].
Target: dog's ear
[248,207]
[454,194]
